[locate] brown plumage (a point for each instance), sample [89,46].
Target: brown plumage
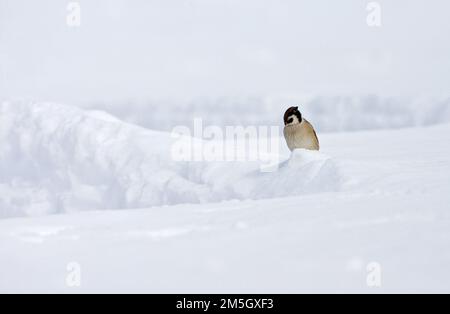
[298,132]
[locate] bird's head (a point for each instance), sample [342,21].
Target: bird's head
[292,116]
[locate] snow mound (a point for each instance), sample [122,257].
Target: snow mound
[305,172]
[56,158]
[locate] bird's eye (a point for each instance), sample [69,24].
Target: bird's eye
[290,120]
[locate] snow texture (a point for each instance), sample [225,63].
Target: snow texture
[58,158]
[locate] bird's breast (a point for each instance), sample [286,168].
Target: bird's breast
[300,136]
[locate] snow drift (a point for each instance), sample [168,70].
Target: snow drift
[56,158]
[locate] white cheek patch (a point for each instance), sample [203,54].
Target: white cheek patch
[294,120]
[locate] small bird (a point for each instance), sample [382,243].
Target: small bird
[298,132]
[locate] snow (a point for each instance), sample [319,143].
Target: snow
[58,159]
[315,225]
[64,159]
